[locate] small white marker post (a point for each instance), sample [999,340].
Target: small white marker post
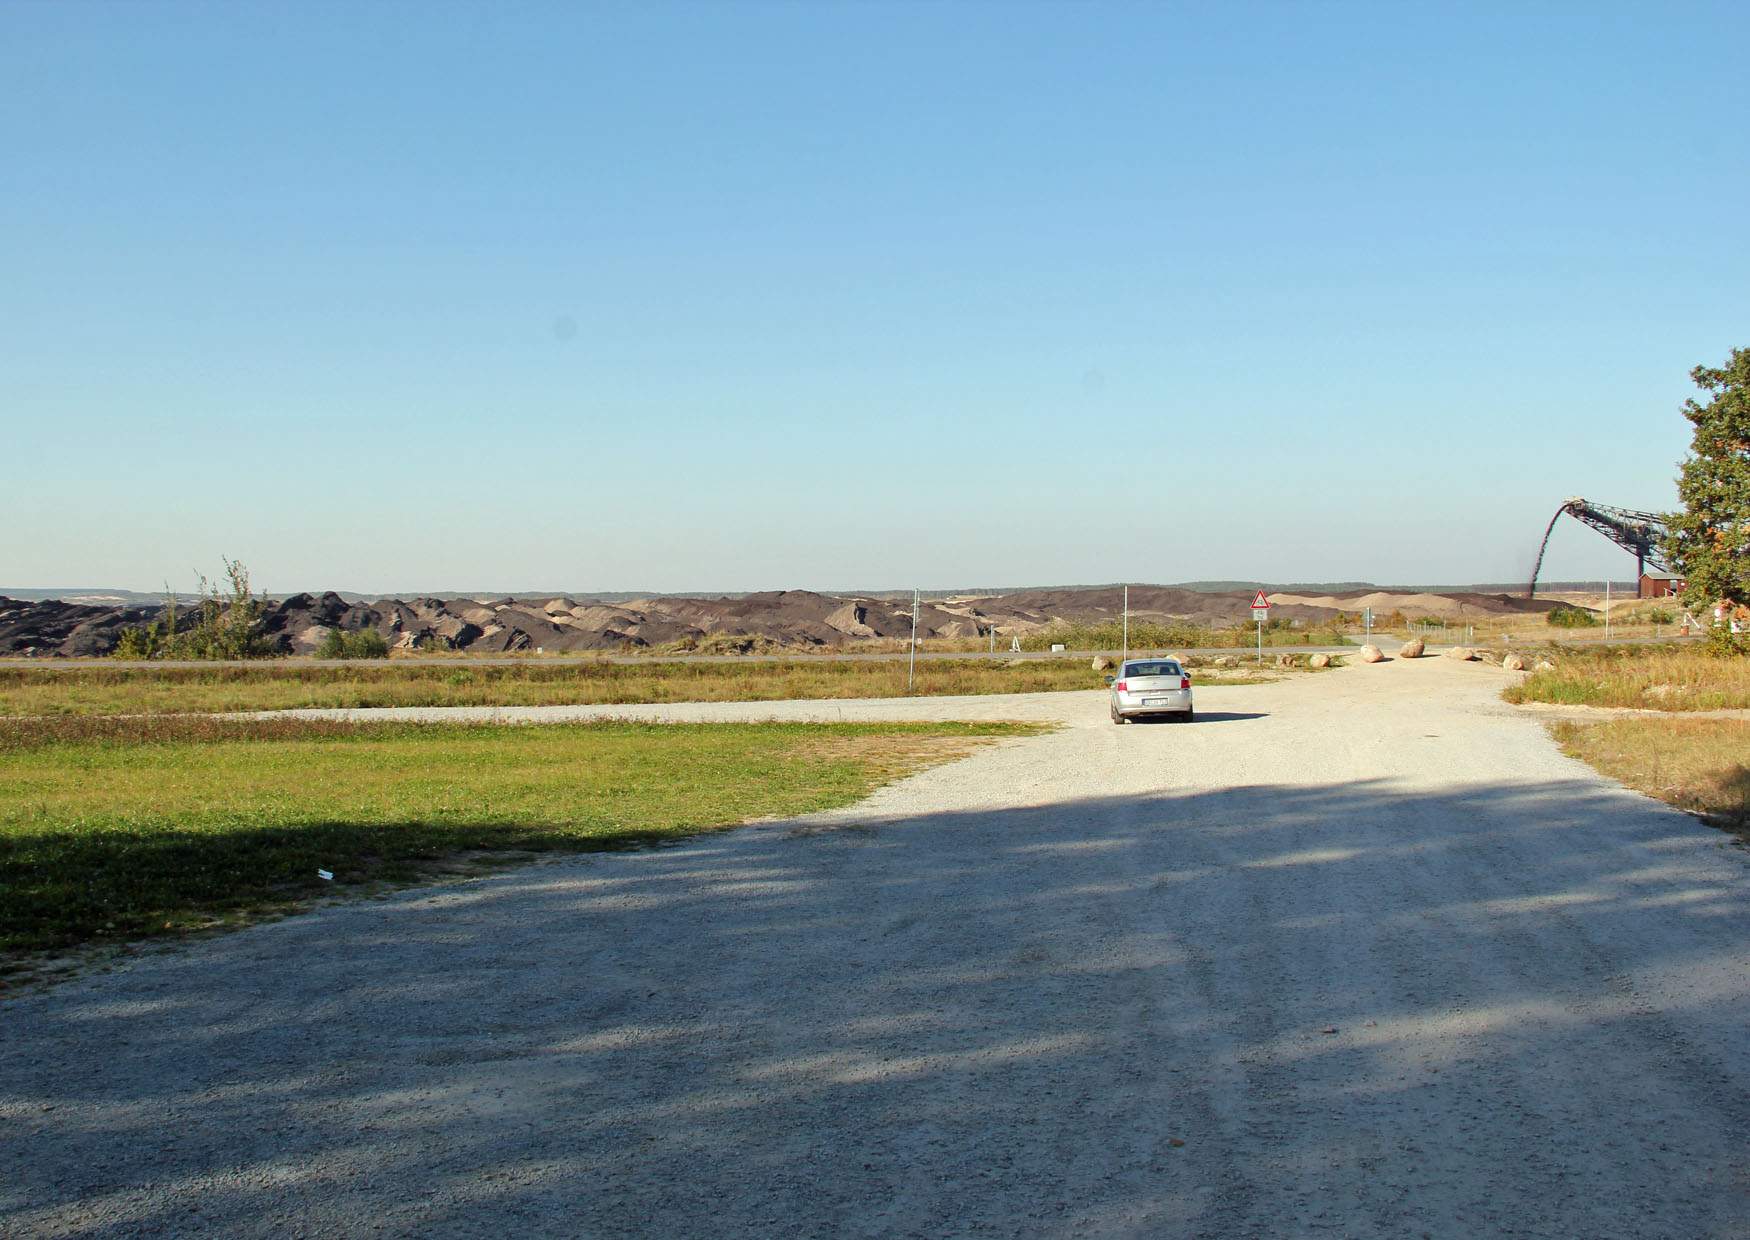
[1124,655]
[911,674]
[1260,613]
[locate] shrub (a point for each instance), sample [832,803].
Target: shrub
[1567,616]
[226,625]
[362,644]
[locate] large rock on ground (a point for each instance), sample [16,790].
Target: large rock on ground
[1464,654]
[1101,663]
[1513,662]
[1371,654]
[1319,660]
[1412,649]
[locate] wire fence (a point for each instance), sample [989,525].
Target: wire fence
[1455,634]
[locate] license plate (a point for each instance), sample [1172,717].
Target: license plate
[1155,702]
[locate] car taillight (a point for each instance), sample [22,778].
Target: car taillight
[1184,682]
[1122,686]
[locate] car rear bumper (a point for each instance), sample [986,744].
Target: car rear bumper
[1173,702]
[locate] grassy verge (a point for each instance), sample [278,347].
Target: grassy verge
[1695,764]
[1149,635]
[117,829]
[140,690]
[1675,680]
[27,691]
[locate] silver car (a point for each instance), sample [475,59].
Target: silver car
[1150,687]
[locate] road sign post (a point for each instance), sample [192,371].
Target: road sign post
[1260,613]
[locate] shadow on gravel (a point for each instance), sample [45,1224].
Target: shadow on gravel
[1205,716]
[1255,1011]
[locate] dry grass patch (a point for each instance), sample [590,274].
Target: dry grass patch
[137,689]
[893,755]
[1702,765]
[1674,680]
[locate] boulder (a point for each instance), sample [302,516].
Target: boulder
[1371,654]
[1412,649]
[1513,662]
[1464,654]
[1101,663]
[1319,660]
[1285,660]
[1543,665]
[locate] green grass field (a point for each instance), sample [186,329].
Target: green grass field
[119,828]
[1655,679]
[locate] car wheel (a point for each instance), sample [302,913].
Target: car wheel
[1189,715]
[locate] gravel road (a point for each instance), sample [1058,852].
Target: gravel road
[1358,954]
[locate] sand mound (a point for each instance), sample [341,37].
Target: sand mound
[1414,606]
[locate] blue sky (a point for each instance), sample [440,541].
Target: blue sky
[737,296]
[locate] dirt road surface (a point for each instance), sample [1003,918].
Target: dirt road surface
[1353,955]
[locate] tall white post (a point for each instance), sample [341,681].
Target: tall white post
[1607,610]
[1125,654]
[911,672]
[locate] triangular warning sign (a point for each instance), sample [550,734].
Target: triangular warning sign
[1260,601]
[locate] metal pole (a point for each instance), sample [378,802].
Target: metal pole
[911,673]
[1607,610]
[1260,638]
[1125,654]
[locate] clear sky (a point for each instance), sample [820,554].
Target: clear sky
[738,296]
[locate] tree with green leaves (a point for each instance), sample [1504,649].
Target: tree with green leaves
[1708,544]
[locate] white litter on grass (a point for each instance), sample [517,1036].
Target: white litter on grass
[325,874]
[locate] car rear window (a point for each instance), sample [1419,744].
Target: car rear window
[1152,669]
